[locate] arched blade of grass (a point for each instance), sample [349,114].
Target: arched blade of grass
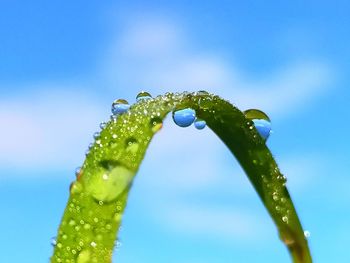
[98,197]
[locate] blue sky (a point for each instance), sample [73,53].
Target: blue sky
[62,63]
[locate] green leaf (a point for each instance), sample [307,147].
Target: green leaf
[98,197]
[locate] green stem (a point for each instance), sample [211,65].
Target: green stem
[98,197]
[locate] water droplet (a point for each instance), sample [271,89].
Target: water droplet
[120,106]
[205,102]
[261,122]
[131,145]
[113,118]
[117,217]
[285,219]
[202,93]
[184,117]
[76,187]
[252,114]
[118,244]
[119,178]
[93,244]
[53,241]
[143,95]
[156,124]
[77,171]
[84,256]
[96,135]
[307,234]
[103,125]
[287,240]
[263,127]
[200,124]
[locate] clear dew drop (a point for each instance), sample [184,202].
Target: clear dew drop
[184,117]
[53,241]
[307,234]
[77,171]
[275,196]
[156,124]
[263,127]
[93,244]
[84,256]
[109,182]
[96,135]
[103,125]
[261,122]
[200,124]
[202,93]
[120,106]
[143,95]
[76,187]
[285,219]
[90,146]
[131,145]
[118,244]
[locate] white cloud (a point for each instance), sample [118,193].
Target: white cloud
[286,90]
[50,128]
[157,55]
[151,37]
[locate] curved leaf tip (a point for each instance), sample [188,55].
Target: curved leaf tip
[98,196]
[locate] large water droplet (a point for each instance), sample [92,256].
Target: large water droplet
[261,122]
[184,117]
[200,124]
[120,106]
[252,114]
[263,127]
[156,124]
[143,95]
[109,181]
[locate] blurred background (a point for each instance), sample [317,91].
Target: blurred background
[62,63]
